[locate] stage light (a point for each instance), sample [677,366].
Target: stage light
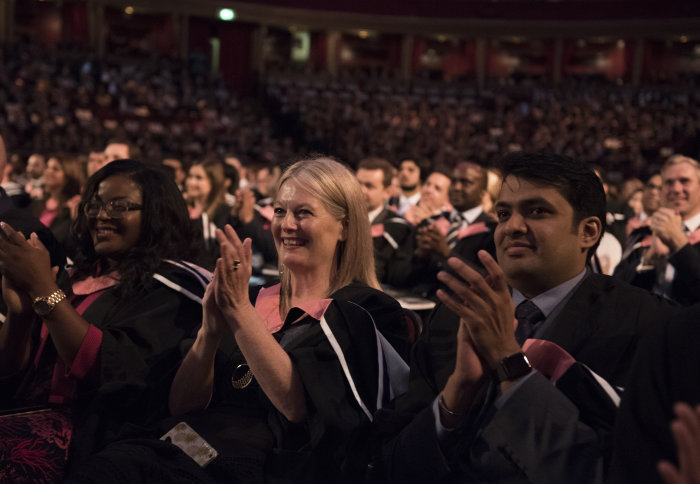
[129,10]
[227,14]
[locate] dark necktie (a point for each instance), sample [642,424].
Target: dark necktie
[528,314]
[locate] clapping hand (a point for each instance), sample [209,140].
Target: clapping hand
[232,274]
[666,224]
[484,306]
[25,262]
[686,432]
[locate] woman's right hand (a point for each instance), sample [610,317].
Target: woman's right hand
[213,322]
[232,274]
[26,262]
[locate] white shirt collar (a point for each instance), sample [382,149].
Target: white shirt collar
[693,222]
[472,214]
[413,199]
[548,300]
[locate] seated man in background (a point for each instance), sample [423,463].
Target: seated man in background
[483,415]
[411,175]
[434,199]
[651,201]
[463,231]
[118,149]
[391,233]
[667,261]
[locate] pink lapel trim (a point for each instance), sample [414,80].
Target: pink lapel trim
[646,241]
[377,230]
[94,284]
[548,358]
[473,229]
[267,306]
[694,236]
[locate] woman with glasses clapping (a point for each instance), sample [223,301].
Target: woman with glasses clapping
[105,346]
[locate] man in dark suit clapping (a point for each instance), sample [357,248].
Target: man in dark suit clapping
[483,413]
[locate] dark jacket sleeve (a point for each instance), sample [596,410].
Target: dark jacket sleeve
[686,283]
[664,372]
[395,245]
[535,437]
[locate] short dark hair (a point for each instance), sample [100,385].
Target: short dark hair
[647,179]
[574,180]
[134,151]
[483,172]
[373,163]
[166,230]
[425,166]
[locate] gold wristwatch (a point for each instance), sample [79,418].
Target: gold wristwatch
[44,305]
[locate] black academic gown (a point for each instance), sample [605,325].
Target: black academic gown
[255,442]
[419,274]
[391,236]
[136,360]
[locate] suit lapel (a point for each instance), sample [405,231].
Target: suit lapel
[573,325]
[383,216]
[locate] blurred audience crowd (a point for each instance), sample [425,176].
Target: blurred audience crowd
[545,191]
[630,130]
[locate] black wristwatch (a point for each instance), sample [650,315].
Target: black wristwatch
[513,367]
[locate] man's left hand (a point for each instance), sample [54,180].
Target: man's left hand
[667,226]
[484,303]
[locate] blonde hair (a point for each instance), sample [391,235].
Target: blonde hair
[336,187]
[677,159]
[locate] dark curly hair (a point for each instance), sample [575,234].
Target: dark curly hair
[166,230]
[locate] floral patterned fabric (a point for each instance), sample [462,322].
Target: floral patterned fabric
[34,446]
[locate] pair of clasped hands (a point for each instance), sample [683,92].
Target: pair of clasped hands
[26,269]
[486,332]
[226,299]
[667,234]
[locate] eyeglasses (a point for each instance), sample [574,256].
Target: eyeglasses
[113,208]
